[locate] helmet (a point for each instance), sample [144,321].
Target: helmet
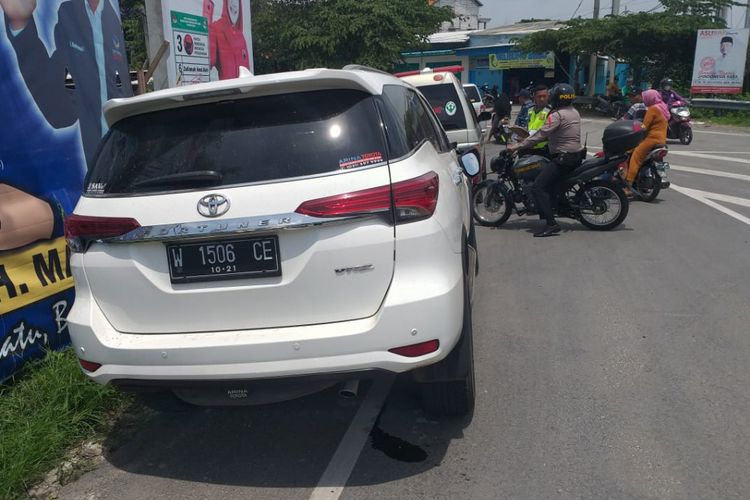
[562,95]
[666,84]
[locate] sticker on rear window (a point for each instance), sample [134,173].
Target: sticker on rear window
[450,108]
[96,188]
[361,160]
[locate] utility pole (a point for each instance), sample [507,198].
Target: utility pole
[593,60]
[612,66]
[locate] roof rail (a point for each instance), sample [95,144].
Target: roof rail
[442,69]
[362,67]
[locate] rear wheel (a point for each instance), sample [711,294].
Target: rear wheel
[491,204]
[452,388]
[602,205]
[648,183]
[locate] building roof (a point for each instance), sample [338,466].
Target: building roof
[450,37]
[520,28]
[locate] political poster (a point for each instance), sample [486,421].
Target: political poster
[719,65]
[60,61]
[209,40]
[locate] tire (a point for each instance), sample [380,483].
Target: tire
[648,186]
[686,135]
[472,241]
[453,393]
[597,191]
[497,210]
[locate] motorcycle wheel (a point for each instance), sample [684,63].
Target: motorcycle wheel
[491,204]
[648,183]
[602,205]
[686,135]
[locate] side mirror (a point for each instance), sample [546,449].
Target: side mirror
[484,116]
[470,163]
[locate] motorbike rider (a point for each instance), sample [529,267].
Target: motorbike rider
[655,123]
[502,110]
[668,94]
[563,131]
[638,110]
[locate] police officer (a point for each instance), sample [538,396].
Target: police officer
[538,117]
[563,131]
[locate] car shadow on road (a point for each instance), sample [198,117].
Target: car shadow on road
[283,445]
[532,225]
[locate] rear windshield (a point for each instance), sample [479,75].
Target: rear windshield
[472,93]
[447,106]
[238,142]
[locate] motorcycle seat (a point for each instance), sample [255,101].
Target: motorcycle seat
[588,164]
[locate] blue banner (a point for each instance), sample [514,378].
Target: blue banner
[60,61]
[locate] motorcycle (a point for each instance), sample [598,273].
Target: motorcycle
[613,108]
[679,122]
[501,131]
[589,194]
[652,176]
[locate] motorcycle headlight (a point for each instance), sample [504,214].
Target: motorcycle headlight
[683,112]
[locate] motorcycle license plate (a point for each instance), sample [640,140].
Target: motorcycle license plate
[663,169]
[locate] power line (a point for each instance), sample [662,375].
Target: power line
[576,11]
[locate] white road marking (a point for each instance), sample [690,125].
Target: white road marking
[332,482]
[721,152]
[715,173]
[703,197]
[709,157]
[735,134]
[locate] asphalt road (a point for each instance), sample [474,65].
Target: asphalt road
[609,365]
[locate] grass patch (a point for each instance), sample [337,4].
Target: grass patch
[733,118]
[46,408]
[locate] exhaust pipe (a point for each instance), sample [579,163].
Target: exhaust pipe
[349,389]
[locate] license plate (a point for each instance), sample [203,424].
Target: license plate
[224,259]
[663,169]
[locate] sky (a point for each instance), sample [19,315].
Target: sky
[505,12]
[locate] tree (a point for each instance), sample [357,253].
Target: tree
[654,44]
[133,14]
[703,8]
[297,34]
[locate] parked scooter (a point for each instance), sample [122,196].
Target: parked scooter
[679,123]
[612,108]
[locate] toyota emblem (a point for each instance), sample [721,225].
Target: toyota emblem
[213,205]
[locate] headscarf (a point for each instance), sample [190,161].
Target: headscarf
[653,98]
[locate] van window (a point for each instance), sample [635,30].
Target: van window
[446,104]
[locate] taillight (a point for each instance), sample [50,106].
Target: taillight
[413,199]
[414,350]
[661,154]
[89,366]
[81,229]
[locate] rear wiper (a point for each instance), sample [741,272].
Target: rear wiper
[194,178]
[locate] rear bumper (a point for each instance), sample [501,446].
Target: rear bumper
[423,303]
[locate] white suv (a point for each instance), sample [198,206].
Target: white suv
[301,227]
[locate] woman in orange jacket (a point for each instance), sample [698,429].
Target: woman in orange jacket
[655,122]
